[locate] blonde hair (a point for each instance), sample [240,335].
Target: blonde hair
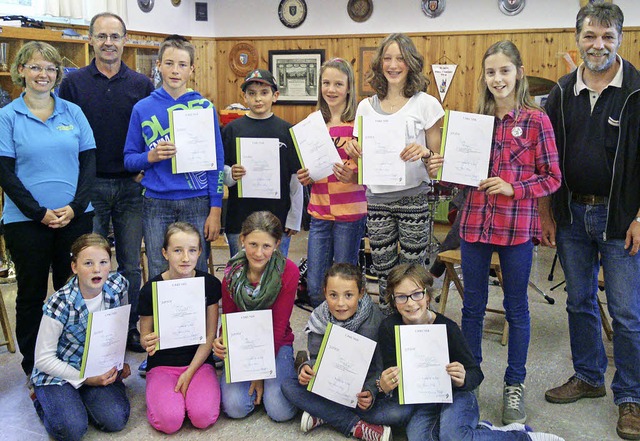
[26,52]
[177,42]
[486,100]
[343,66]
[89,240]
[416,80]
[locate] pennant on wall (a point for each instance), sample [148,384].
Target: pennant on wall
[443,73]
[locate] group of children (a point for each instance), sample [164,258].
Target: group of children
[497,215]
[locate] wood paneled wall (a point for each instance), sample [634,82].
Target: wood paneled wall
[541,51]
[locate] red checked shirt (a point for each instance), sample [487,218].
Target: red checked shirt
[529,162]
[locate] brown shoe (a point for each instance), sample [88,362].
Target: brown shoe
[573,390]
[629,421]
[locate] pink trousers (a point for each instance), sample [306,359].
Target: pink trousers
[166,409]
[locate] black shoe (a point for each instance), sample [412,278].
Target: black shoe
[133,341]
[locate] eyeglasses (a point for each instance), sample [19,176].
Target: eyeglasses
[415,296]
[36,69]
[113,37]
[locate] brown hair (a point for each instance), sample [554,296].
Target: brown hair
[180,227]
[177,42]
[26,52]
[604,14]
[262,221]
[416,80]
[89,240]
[417,273]
[343,66]
[346,271]
[486,100]
[107,15]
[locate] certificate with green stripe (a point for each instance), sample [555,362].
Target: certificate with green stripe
[422,355]
[193,132]
[105,341]
[342,365]
[260,158]
[248,337]
[314,146]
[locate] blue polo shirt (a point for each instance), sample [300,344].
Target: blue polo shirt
[107,103]
[46,153]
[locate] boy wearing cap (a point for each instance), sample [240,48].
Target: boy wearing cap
[260,93]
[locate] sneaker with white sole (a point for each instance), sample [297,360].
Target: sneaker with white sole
[513,404]
[308,422]
[539,436]
[371,432]
[508,428]
[142,369]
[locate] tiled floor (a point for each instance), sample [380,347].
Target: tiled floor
[549,364]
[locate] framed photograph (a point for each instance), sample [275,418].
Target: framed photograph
[297,74]
[366,56]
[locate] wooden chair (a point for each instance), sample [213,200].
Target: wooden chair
[453,257]
[219,244]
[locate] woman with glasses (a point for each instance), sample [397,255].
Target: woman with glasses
[47,165]
[409,294]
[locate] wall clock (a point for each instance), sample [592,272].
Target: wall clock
[146,5]
[292,13]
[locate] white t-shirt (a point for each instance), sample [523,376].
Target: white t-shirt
[420,113]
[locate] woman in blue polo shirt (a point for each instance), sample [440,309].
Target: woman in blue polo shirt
[47,165]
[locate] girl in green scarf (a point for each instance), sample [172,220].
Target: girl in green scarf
[260,277]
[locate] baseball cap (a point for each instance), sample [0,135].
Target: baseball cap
[260,76]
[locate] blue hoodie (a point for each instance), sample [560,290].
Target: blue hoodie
[149,124]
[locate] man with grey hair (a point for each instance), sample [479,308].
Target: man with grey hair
[107,90]
[595,216]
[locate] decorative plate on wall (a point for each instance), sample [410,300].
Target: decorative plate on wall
[243,58]
[176,3]
[360,10]
[511,7]
[433,8]
[146,5]
[292,13]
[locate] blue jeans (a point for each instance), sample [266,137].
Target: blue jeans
[66,411]
[120,201]
[515,262]
[158,214]
[329,242]
[234,244]
[385,411]
[579,245]
[237,403]
[457,421]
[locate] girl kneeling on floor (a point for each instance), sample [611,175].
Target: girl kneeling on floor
[181,380]
[64,401]
[259,277]
[409,294]
[346,305]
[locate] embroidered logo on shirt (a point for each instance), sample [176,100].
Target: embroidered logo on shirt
[65,128]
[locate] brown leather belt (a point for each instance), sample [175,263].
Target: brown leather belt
[589,199]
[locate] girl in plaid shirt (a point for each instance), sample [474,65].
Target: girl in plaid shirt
[64,401]
[501,214]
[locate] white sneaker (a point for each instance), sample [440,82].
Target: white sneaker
[539,436]
[308,422]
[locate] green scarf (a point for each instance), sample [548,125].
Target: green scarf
[245,296]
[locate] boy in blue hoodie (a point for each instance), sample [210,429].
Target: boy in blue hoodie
[194,197]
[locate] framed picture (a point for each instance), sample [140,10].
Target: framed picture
[297,74]
[366,56]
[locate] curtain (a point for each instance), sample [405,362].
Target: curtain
[85,9]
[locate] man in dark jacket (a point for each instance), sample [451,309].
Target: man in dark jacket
[595,216]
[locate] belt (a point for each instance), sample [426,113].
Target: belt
[589,199]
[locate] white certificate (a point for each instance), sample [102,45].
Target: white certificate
[342,365]
[248,337]
[179,312]
[260,158]
[193,133]
[422,354]
[466,147]
[314,146]
[382,139]
[106,341]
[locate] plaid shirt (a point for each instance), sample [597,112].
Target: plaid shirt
[67,306]
[528,162]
